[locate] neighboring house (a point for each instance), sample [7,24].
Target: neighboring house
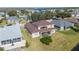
[75,21]
[24,17]
[63,25]
[1,18]
[39,28]
[75,13]
[2,13]
[10,37]
[12,19]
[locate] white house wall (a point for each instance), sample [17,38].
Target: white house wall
[48,26]
[61,28]
[53,31]
[16,45]
[35,34]
[52,25]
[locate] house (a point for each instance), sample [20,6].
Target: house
[24,17]
[10,37]
[39,28]
[75,13]
[75,21]
[12,19]
[62,25]
[2,13]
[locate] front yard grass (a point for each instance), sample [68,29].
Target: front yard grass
[68,32]
[22,21]
[4,22]
[62,41]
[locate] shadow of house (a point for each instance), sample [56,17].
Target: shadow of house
[76,48]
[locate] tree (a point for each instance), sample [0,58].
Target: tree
[42,15]
[27,44]
[35,16]
[1,49]
[48,15]
[23,11]
[63,14]
[46,40]
[12,13]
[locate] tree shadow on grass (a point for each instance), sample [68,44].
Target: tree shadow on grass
[76,48]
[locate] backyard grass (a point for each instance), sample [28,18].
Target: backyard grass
[4,22]
[62,41]
[22,21]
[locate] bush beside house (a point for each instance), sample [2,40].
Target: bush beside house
[27,44]
[46,40]
[1,49]
[76,28]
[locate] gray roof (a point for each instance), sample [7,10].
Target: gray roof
[10,32]
[13,18]
[61,23]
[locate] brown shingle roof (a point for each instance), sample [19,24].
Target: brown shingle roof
[45,30]
[41,23]
[33,27]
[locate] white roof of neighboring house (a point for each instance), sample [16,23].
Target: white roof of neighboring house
[12,18]
[24,17]
[2,13]
[9,32]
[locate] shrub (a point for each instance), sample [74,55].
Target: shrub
[77,25]
[76,28]
[27,44]
[46,40]
[1,49]
[0,21]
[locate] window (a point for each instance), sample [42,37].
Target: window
[43,27]
[9,41]
[16,39]
[3,42]
[6,42]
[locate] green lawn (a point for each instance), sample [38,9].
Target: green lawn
[68,32]
[62,41]
[22,21]
[4,22]
[26,35]
[66,39]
